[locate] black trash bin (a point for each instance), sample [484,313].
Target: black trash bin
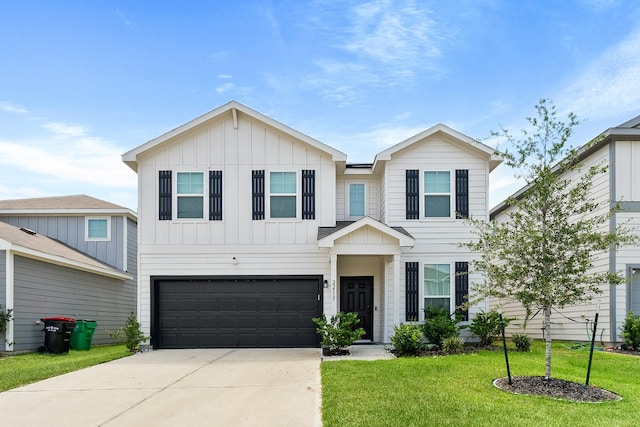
[57,334]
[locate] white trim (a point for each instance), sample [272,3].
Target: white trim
[348,185]
[452,284]
[403,239]
[9,298]
[97,218]
[424,194]
[125,244]
[268,195]
[175,195]
[65,262]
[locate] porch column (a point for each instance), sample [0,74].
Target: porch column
[331,307]
[396,289]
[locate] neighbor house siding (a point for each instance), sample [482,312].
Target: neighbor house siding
[3,277]
[571,321]
[70,230]
[46,290]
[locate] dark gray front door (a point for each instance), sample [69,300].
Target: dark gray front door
[356,295]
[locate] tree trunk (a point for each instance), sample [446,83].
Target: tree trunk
[547,335]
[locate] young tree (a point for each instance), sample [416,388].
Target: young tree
[542,253]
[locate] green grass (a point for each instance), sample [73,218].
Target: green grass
[458,390]
[28,368]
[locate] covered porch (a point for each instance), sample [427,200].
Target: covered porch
[366,273]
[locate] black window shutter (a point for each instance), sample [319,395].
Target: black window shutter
[413,194]
[215,195]
[308,194]
[462,193]
[411,284]
[462,288]
[164,195]
[257,188]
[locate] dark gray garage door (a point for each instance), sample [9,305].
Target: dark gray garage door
[235,312]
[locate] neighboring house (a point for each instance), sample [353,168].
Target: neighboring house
[248,229]
[72,256]
[620,150]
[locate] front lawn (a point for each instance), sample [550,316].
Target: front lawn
[28,368]
[458,390]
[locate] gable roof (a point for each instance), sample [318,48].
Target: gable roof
[476,146]
[232,108]
[627,131]
[32,245]
[76,204]
[328,235]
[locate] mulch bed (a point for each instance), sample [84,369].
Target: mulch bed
[555,388]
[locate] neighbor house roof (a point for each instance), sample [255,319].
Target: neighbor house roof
[76,204]
[627,131]
[232,108]
[463,140]
[29,244]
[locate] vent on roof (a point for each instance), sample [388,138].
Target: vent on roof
[28,230]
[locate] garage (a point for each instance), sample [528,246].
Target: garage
[232,312]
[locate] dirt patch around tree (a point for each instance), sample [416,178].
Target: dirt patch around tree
[555,388]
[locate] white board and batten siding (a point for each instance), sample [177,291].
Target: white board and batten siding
[206,248]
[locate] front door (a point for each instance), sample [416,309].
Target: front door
[356,295]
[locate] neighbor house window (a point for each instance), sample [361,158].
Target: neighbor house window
[190,195]
[437,194]
[282,194]
[437,286]
[356,200]
[97,229]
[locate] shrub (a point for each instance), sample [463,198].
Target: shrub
[5,317]
[487,327]
[521,341]
[438,325]
[340,332]
[407,338]
[453,345]
[631,331]
[130,334]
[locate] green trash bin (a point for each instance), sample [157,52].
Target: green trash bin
[83,334]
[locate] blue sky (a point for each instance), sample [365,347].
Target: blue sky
[83,82]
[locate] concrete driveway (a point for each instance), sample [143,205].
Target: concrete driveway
[209,387]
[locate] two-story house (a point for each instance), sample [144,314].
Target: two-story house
[72,256]
[619,150]
[248,229]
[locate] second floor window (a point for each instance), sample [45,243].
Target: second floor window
[356,200]
[190,195]
[282,194]
[437,194]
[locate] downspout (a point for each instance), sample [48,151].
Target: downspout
[9,297]
[613,306]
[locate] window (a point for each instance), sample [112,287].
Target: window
[98,229]
[437,194]
[437,286]
[282,194]
[356,200]
[190,195]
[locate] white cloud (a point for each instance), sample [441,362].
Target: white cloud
[12,108]
[225,87]
[63,130]
[610,84]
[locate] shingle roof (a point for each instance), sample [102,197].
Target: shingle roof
[28,242]
[80,201]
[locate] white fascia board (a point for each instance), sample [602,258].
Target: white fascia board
[403,239]
[65,262]
[131,157]
[70,212]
